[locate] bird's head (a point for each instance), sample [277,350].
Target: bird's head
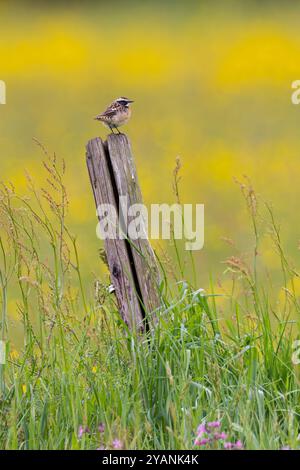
[124,101]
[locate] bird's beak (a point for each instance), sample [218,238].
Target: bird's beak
[130,101]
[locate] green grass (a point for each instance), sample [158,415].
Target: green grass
[80,366]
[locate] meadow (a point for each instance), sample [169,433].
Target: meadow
[83,381]
[212,85]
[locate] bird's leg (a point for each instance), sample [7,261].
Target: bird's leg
[112,129]
[118,130]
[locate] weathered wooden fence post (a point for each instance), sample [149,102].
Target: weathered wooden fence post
[132,264]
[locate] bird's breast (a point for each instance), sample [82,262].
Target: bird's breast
[122,116]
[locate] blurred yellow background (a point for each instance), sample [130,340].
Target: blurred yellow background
[211,82]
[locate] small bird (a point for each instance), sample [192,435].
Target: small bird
[117,114]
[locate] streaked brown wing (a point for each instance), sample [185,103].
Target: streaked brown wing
[108,113]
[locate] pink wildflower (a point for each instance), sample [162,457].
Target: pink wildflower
[220,435]
[238,445]
[228,445]
[117,444]
[82,430]
[214,424]
[101,428]
[201,430]
[233,445]
[202,442]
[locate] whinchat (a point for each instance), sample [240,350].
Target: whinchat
[117,114]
